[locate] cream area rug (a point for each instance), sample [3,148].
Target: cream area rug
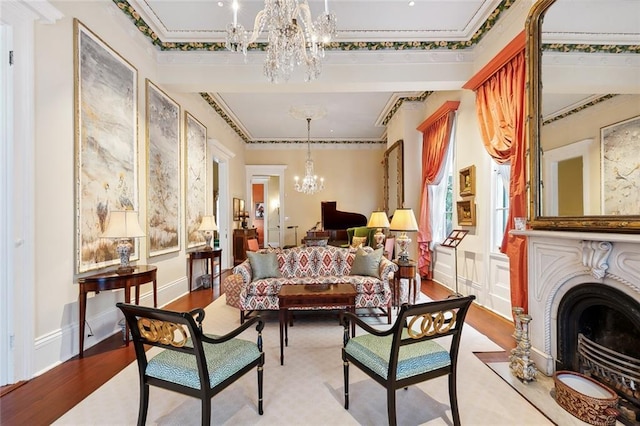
[309,390]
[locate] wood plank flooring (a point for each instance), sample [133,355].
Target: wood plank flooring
[44,399]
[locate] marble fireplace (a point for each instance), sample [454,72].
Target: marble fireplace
[570,271]
[583,283]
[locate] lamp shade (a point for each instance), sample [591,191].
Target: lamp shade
[123,224]
[378,219]
[208,223]
[403,220]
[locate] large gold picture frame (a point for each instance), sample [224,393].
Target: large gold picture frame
[466,212]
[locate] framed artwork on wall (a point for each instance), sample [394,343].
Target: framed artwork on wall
[163,171]
[106,156]
[468,181]
[466,212]
[196,179]
[620,171]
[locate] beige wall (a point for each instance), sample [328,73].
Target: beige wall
[56,293]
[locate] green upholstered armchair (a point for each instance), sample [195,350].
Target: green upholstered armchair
[421,358]
[192,363]
[361,231]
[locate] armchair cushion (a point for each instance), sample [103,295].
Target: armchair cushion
[367,264]
[223,361]
[374,352]
[358,241]
[264,265]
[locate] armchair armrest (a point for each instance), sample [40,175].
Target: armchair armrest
[386,268]
[347,317]
[198,313]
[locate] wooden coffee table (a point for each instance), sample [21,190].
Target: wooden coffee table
[312,296]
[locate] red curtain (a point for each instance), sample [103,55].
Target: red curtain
[435,141]
[500,105]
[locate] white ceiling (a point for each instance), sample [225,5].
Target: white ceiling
[358,87]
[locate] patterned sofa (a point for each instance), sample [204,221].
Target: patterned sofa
[309,265]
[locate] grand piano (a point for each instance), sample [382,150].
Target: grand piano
[336,222]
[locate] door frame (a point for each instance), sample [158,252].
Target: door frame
[253,171]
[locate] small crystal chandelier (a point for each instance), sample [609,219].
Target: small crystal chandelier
[292,37]
[310,183]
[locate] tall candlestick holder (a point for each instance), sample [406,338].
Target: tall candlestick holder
[520,361]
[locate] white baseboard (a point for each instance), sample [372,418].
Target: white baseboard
[52,349]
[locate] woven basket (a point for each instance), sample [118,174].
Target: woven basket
[585,398]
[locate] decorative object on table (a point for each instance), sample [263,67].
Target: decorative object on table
[244,217]
[207,227]
[292,37]
[466,212]
[106,110]
[163,171]
[453,240]
[467,181]
[520,361]
[378,220]
[123,226]
[196,180]
[586,398]
[404,221]
[310,182]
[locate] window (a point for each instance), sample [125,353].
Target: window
[442,197]
[500,206]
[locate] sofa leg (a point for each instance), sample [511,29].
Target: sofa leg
[241,317]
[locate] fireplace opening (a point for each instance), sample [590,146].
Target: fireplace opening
[610,319]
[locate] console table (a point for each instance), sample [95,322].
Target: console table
[208,256]
[110,280]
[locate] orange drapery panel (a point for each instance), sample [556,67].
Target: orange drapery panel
[500,105]
[435,141]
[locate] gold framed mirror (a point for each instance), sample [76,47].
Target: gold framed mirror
[394,177]
[572,105]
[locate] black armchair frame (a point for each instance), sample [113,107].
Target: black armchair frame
[175,324]
[437,319]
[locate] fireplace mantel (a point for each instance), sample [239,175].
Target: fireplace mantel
[559,261]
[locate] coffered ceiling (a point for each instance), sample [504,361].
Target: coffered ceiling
[386,52]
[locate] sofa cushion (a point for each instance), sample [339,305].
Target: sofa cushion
[264,265]
[367,263]
[358,241]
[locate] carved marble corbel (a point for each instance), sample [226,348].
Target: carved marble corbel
[595,255]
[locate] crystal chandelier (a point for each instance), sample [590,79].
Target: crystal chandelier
[310,183]
[292,37]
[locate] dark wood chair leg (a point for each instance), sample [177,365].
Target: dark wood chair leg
[241,316]
[206,411]
[144,404]
[346,384]
[391,406]
[453,398]
[260,378]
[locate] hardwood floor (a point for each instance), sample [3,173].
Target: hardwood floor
[44,399]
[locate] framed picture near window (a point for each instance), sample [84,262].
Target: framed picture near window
[106,155]
[466,212]
[468,181]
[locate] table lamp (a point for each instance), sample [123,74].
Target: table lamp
[123,226]
[404,221]
[378,220]
[207,226]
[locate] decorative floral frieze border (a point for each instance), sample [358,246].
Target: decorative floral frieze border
[578,109]
[591,48]
[399,103]
[213,104]
[346,46]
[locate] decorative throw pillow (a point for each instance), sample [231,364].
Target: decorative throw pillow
[264,265]
[367,263]
[358,241]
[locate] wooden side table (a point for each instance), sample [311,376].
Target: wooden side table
[407,271]
[110,280]
[209,256]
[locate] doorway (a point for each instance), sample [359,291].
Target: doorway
[271,177]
